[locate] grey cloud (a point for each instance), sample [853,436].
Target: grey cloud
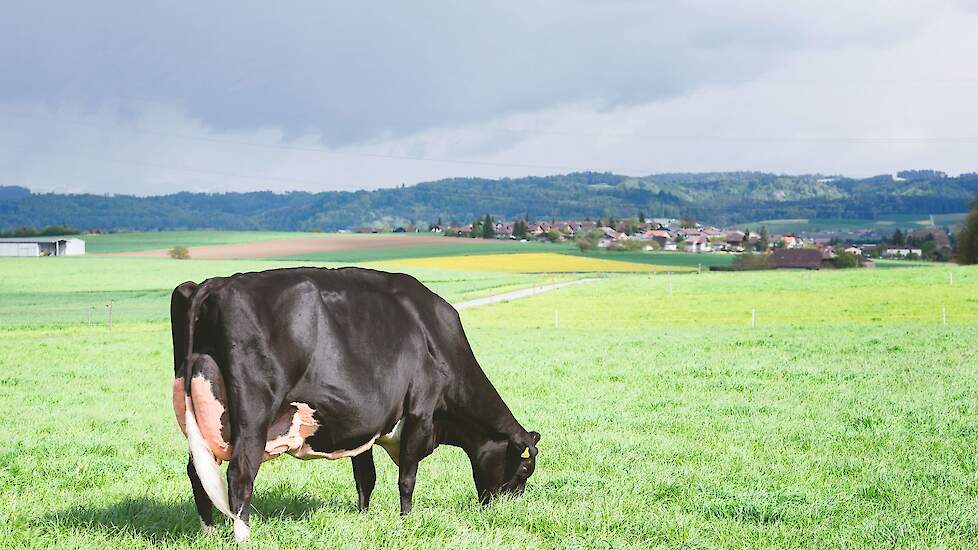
[357,73]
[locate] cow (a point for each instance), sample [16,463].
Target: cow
[327,363]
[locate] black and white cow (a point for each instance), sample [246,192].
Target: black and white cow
[325,363]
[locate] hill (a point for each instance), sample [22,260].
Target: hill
[722,198]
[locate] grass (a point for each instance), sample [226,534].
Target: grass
[69,290]
[678,259]
[140,241]
[885,224]
[454,247]
[537,262]
[160,240]
[845,418]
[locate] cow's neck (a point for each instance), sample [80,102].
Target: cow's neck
[477,407]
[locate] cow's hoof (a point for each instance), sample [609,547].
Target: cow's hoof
[207,529]
[241,531]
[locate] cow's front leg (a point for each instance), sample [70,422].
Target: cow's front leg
[205,509]
[242,470]
[365,476]
[417,442]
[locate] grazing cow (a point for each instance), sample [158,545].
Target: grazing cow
[325,363]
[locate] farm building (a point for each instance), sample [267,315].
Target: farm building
[799,258]
[41,246]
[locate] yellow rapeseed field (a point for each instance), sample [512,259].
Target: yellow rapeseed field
[545,262]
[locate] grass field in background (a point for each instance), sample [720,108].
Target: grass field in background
[678,259]
[542,262]
[454,247]
[38,291]
[846,418]
[885,223]
[163,240]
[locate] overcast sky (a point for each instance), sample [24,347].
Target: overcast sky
[128,97]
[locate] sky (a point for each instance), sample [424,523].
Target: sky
[151,98]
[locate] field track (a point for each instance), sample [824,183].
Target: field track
[307,245]
[517,294]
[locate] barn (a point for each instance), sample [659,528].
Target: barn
[41,246]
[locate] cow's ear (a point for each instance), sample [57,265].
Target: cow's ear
[535,436]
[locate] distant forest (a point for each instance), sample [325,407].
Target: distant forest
[720,198]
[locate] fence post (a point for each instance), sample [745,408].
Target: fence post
[950,278]
[944,314]
[753,318]
[91,310]
[699,269]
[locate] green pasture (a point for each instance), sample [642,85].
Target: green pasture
[679,259]
[847,417]
[68,290]
[159,240]
[883,224]
[454,247]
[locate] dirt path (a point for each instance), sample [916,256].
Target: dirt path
[517,294]
[307,245]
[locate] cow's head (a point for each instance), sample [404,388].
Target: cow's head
[503,466]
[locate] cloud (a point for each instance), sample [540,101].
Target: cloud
[152,98]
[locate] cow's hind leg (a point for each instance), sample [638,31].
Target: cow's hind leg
[417,442]
[242,471]
[365,476]
[205,509]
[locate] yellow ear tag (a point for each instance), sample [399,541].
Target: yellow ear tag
[526,453]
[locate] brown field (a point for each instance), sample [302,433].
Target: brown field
[306,245]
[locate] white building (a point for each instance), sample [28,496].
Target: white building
[41,246]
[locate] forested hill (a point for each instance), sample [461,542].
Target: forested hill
[721,198]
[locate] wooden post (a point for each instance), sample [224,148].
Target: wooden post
[699,269]
[753,318]
[91,310]
[950,277]
[944,315]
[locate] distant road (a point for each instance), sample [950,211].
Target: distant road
[517,294]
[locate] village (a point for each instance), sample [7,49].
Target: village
[789,250]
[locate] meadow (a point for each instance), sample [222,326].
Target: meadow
[845,417]
[541,262]
[136,241]
[884,223]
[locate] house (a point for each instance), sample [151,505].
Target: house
[901,252]
[504,230]
[790,240]
[42,246]
[797,258]
[855,250]
[697,244]
[733,238]
[669,246]
[660,236]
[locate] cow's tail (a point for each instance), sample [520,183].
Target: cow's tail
[205,463]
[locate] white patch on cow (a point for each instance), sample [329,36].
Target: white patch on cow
[305,452]
[204,463]
[241,530]
[391,442]
[207,529]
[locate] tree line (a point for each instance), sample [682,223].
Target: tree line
[723,198]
